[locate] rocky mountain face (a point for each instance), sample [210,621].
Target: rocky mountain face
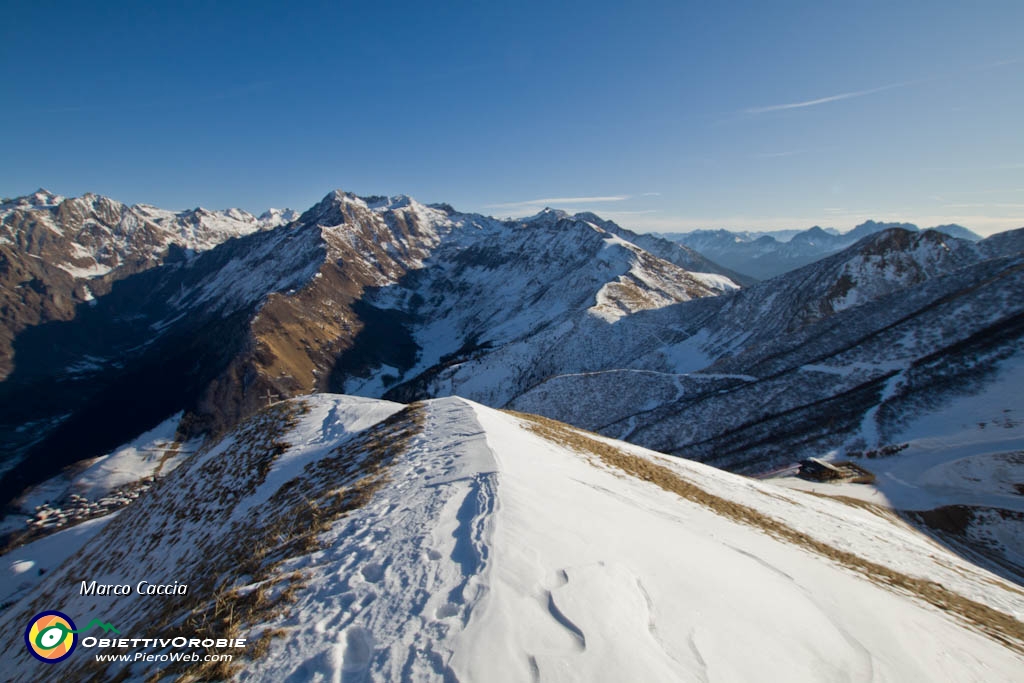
[673,251]
[765,255]
[57,253]
[836,355]
[364,295]
[563,316]
[832,356]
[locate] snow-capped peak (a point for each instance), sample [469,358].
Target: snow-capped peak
[273,217]
[41,197]
[546,215]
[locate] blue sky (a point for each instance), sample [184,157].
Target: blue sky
[661,116]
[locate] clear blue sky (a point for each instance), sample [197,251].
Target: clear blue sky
[661,116]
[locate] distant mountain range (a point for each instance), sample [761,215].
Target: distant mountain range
[763,255]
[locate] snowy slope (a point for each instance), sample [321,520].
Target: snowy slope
[448,541]
[96,487]
[24,567]
[837,355]
[967,452]
[960,473]
[492,286]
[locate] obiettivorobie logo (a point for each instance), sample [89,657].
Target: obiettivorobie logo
[51,636]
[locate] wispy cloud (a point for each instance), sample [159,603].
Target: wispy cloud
[831,98]
[849,95]
[990,191]
[1002,62]
[551,201]
[968,168]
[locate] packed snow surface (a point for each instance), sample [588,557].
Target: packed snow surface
[496,551]
[497,555]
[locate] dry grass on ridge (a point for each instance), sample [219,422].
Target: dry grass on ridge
[244,584]
[997,625]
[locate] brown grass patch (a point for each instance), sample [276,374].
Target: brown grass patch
[997,625]
[240,580]
[290,526]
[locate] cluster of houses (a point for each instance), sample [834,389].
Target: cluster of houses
[75,508]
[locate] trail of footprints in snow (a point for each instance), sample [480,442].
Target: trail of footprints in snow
[434,597]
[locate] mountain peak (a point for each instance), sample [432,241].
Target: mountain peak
[811,237]
[869,227]
[444,207]
[331,209]
[954,230]
[41,197]
[589,217]
[398,201]
[547,215]
[334,204]
[278,216]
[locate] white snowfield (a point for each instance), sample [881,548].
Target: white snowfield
[498,551]
[500,556]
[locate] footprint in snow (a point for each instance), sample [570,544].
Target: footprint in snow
[373,572]
[355,651]
[447,610]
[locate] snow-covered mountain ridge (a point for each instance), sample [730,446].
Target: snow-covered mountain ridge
[559,315]
[57,253]
[104,234]
[368,292]
[728,379]
[448,540]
